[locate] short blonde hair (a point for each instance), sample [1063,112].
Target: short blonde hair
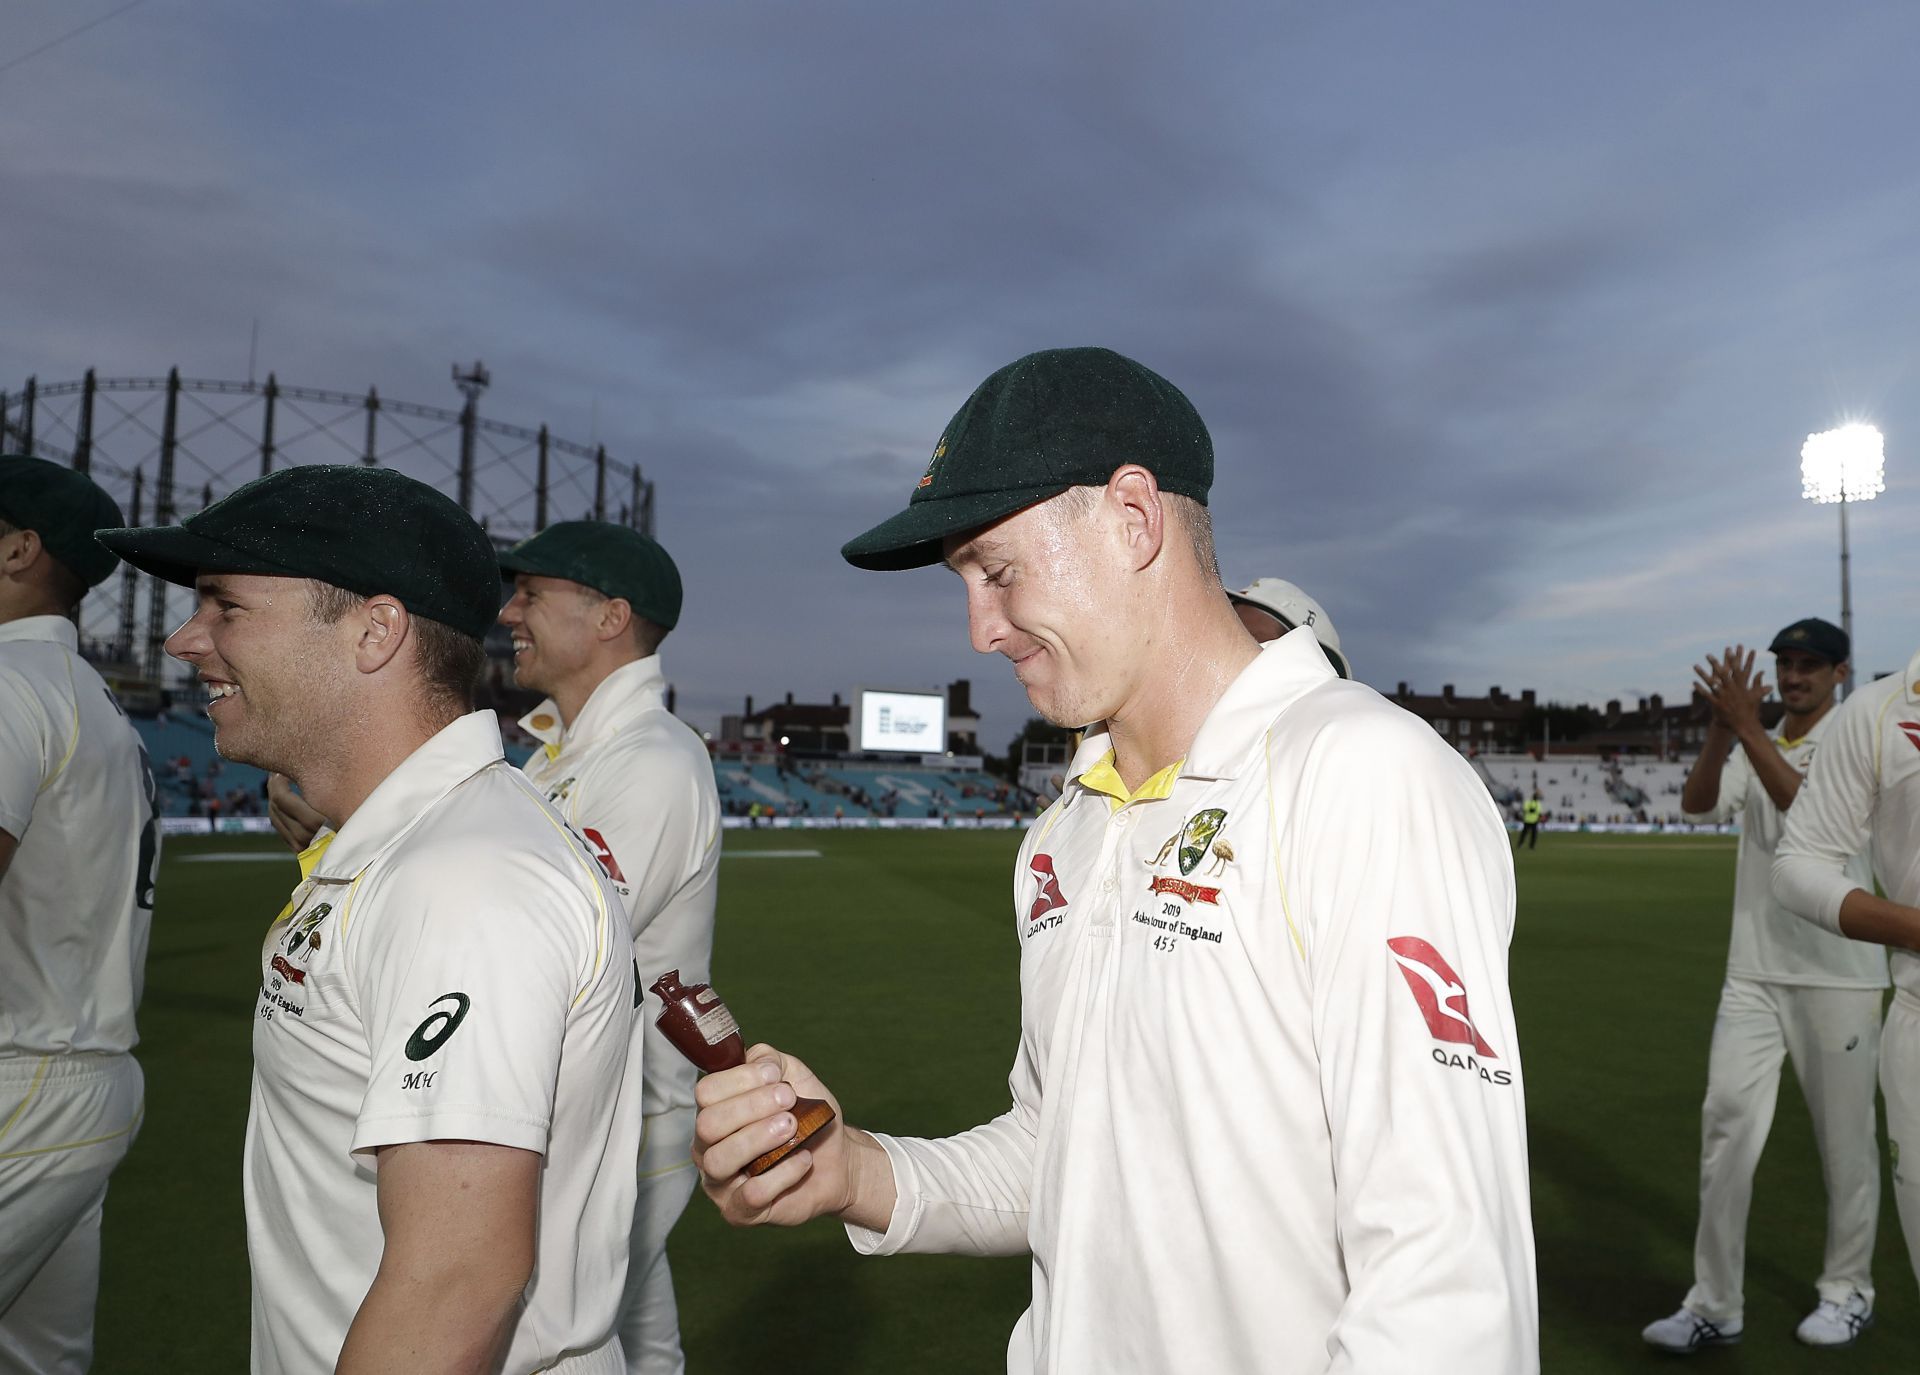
[1191,516]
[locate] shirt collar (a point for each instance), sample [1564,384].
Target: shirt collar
[1913,678]
[450,758]
[1285,670]
[630,689]
[52,629]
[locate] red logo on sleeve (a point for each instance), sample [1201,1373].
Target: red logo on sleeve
[1049,897]
[1910,729]
[1439,992]
[604,853]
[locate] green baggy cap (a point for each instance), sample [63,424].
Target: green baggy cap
[611,559]
[367,530]
[1052,420]
[62,506]
[1814,636]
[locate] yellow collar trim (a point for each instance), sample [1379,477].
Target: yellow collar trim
[553,752]
[1103,778]
[310,857]
[309,861]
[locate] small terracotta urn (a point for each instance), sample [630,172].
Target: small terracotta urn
[702,1029]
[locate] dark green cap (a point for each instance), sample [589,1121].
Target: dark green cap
[367,530]
[62,506]
[611,559]
[1814,636]
[1053,420]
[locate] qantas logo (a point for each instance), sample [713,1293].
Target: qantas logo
[604,853]
[1911,729]
[1441,995]
[1049,898]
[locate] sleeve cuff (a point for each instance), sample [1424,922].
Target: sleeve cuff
[455,1124]
[1812,890]
[908,1205]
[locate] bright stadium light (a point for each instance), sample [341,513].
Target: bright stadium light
[1847,464]
[1839,466]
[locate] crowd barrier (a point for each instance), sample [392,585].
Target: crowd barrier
[206,826]
[875,823]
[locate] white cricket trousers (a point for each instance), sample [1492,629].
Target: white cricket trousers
[1833,1037]
[649,1321]
[65,1122]
[1900,1082]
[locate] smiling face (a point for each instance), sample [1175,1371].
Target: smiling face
[1046,588]
[1806,682]
[277,677]
[554,623]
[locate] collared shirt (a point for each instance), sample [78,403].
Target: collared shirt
[1863,792]
[452,966]
[1770,943]
[1267,1110]
[636,781]
[77,900]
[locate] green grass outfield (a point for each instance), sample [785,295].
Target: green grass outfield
[889,963]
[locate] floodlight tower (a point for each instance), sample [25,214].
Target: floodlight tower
[1847,464]
[471,383]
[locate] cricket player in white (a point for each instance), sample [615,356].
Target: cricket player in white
[1267,1108]
[78,848]
[439,1153]
[1792,991]
[590,606]
[1864,790]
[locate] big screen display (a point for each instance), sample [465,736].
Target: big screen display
[911,722]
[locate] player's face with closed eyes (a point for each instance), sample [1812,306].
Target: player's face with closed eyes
[1042,590]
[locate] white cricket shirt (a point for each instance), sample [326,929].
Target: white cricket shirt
[1267,1105]
[1864,791]
[636,781]
[1769,942]
[452,967]
[77,901]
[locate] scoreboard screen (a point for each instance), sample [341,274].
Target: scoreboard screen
[908,722]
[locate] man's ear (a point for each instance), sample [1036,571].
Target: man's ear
[1133,494]
[384,626]
[615,619]
[19,550]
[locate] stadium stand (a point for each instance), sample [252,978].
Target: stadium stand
[192,779]
[822,788]
[1588,790]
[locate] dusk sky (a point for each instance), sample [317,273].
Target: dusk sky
[1508,320]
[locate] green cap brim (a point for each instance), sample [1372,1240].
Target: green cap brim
[177,555]
[915,537]
[512,562]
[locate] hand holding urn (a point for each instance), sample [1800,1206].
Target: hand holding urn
[702,1029]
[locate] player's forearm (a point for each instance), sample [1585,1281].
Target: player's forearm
[7,846]
[1865,917]
[871,1191]
[1776,775]
[1701,791]
[957,1195]
[447,1319]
